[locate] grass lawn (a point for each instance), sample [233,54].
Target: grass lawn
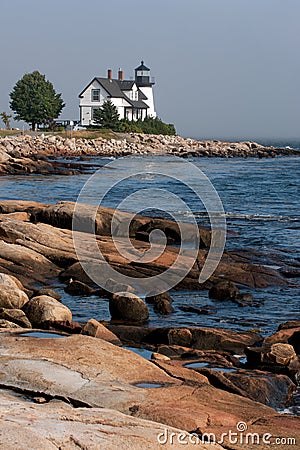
[82,134]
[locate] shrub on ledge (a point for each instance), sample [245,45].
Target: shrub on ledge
[149,125]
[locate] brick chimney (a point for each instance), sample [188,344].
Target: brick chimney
[109,74]
[120,75]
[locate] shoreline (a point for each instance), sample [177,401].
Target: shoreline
[87,374]
[25,155]
[32,154]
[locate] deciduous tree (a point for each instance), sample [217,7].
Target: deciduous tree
[34,100]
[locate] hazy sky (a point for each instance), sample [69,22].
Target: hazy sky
[223,68]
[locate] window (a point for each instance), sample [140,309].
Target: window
[136,95]
[95,95]
[143,73]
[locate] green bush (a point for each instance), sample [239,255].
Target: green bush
[154,125]
[125,126]
[93,127]
[149,125]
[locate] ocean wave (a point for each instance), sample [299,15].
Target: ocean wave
[244,216]
[262,217]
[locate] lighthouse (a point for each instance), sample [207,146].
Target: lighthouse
[145,84]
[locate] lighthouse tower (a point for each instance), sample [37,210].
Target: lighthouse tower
[145,84]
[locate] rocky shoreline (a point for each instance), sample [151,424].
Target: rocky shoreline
[36,154]
[82,388]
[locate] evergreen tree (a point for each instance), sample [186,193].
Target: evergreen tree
[107,116]
[34,100]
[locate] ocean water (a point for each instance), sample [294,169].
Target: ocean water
[261,203]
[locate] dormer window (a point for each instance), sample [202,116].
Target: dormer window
[95,95]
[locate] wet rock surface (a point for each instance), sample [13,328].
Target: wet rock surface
[75,287]
[97,330]
[224,290]
[269,389]
[196,338]
[43,309]
[77,370]
[278,353]
[11,296]
[43,248]
[90,370]
[58,425]
[128,307]
[16,316]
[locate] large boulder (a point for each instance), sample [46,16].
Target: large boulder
[162,303]
[16,316]
[96,329]
[49,292]
[11,206]
[281,354]
[4,157]
[11,296]
[152,299]
[217,339]
[22,216]
[128,307]
[163,307]
[270,389]
[111,286]
[76,272]
[223,340]
[7,324]
[224,290]
[49,242]
[289,324]
[28,265]
[43,309]
[180,336]
[278,358]
[285,336]
[75,287]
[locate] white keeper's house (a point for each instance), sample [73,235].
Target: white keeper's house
[133,98]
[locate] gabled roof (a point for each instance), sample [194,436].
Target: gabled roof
[142,96]
[125,85]
[142,67]
[137,103]
[111,86]
[115,89]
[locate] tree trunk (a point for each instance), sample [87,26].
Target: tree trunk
[33,126]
